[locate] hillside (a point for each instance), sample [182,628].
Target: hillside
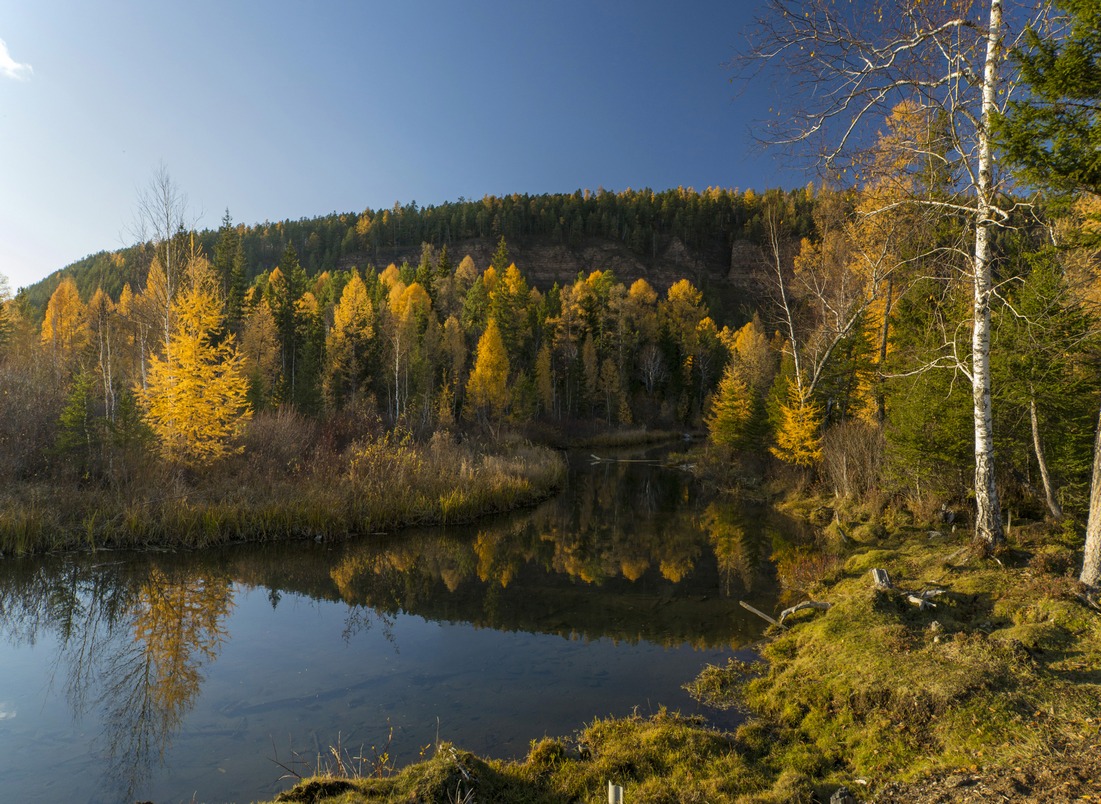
[710,237]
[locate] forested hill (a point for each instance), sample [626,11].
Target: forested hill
[708,237]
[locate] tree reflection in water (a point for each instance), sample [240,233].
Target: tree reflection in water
[630,552]
[132,642]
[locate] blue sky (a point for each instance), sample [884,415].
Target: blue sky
[292,109]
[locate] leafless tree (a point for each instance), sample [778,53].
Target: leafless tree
[854,62]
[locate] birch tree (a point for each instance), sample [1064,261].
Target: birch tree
[853,63]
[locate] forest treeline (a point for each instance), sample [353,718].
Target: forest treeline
[908,317]
[847,369]
[644,221]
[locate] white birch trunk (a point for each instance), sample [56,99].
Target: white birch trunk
[1091,561]
[988,521]
[1045,475]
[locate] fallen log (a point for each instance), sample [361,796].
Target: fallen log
[806,604]
[758,612]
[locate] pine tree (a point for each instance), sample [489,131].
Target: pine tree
[500,261]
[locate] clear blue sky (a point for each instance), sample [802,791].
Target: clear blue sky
[294,109]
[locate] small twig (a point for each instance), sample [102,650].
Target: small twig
[1089,602]
[289,771]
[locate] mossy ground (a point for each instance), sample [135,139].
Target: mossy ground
[999,683]
[999,672]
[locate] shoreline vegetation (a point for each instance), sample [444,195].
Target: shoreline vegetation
[990,692]
[377,483]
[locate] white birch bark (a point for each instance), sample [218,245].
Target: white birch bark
[988,521]
[1091,561]
[1045,475]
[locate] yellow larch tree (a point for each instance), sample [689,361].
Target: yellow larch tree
[195,397]
[347,342]
[798,439]
[487,392]
[731,409]
[65,328]
[260,353]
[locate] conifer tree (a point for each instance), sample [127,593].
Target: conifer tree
[487,392]
[797,435]
[1052,135]
[500,261]
[195,397]
[731,410]
[348,342]
[65,328]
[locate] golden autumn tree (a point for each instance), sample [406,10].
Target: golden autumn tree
[487,392]
[348,341]
[797,433]
[260,353]
[195,396]
[731,409]
[65,328]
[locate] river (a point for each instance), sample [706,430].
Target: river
[217,675]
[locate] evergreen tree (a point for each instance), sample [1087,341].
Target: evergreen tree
[500,261]
[1053,132]
[1053,135]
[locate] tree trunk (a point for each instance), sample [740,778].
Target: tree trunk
[988,523]
[885,331]
[1091,562]
[1045,476]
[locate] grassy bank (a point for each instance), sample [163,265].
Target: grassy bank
[376,484]
[991,694]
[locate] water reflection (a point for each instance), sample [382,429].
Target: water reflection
[132,640]
[630,552]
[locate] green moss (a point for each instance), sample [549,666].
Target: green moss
[1006,669]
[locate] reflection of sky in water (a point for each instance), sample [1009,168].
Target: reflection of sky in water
[474,645]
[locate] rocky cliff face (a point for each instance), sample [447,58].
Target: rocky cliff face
[716,269]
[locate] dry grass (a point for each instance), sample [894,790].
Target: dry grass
[280,491]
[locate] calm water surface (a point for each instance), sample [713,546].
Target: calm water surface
[180,677]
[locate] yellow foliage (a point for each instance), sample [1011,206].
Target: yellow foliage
[487,389]
[731,408]
[65,328]
[194,399]
[797,437]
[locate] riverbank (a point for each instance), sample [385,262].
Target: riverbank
[991,688]
[375,485]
